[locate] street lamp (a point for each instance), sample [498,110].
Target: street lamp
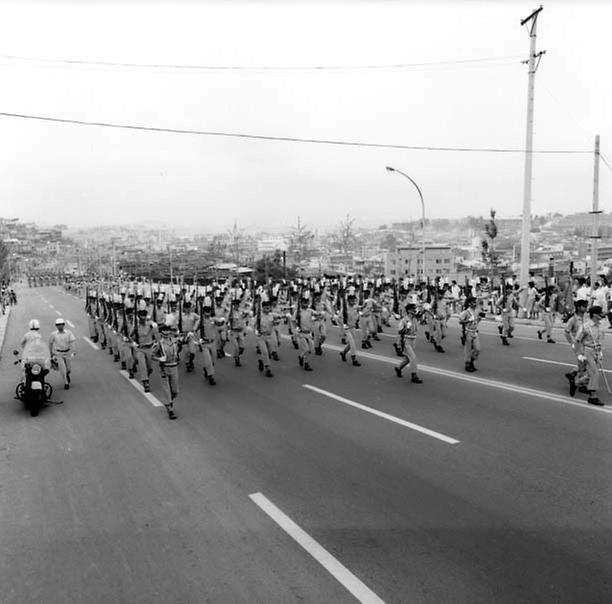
[390,169]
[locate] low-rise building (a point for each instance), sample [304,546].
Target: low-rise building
[407,261]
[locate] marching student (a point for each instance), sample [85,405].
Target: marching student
[166,353]
[591,335]
[407,329]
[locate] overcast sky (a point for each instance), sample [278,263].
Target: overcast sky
[84,175]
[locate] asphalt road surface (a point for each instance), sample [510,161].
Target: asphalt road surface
[341,485]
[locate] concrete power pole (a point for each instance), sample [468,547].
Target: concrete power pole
[596,212]
[533,67]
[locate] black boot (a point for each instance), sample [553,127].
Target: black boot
[355,362]
[275,356]
[343,355]
[307,367]
[398,372]
[237,362]
[572,384]
[260,365]
[268,372]
[505,341]
[415,379]
[593,400]
[145,385]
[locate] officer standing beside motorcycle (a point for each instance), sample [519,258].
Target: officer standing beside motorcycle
[62,345]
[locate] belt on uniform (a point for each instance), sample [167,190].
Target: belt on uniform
[145,345]
[65,350]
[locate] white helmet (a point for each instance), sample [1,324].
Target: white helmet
[34,324]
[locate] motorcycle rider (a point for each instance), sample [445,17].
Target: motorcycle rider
[31,336]
[62,345]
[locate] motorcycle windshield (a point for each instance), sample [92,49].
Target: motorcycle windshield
[36,351]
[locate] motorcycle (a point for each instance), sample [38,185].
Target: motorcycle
[33,390]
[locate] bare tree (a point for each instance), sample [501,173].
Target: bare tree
[300,242]
[345,235]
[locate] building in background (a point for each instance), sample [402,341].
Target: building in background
[408,262]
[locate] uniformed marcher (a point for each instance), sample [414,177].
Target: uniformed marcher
[304,322]
[505,304]
[208,337]
[166,353]
[350,320]
[591,335]
[407,329]
[579,377]
[470,318]
[191,325]
[144,335]
[266,339]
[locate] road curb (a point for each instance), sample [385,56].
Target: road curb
[3,325]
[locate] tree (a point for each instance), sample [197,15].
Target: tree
[4,265]
[489,255]
[389,242]
[300,242]
[345,237]
[272,267]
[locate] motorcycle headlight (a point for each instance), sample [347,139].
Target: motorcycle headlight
[36,369]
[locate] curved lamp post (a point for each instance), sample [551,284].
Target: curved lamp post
[390,169]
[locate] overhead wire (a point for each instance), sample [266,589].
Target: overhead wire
[244,135]
[285,68]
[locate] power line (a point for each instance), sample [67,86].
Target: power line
[283,138]
[258,68]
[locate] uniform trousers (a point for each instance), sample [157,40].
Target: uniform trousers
[169,381]
[144,358]
[410,359]
[471,350]
[349,334]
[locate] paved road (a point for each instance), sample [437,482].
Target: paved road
[492,487]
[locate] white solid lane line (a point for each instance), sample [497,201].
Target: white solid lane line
[482,381]
[557,363]
[59,313]
[70,323]
[51,307]
[152,399]
[92,344]
[342,574]
[391,418]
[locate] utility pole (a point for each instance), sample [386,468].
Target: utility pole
[596,212]
[533,67]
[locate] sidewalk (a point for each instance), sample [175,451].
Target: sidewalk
[3,325]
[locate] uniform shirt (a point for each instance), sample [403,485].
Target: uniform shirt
[208,329]
[590,334]
[505,303]
[61,342]
[167,347]
[237,319]
[571,329]
[306,322]
[552,303]
[408,327]
[147,333]
[266,323]
[191,322]
[352,317]
[470,318]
